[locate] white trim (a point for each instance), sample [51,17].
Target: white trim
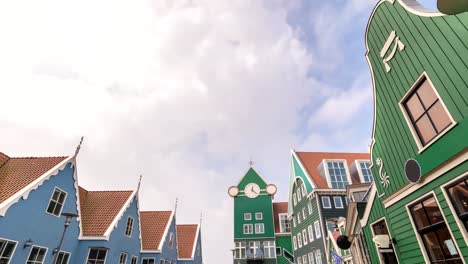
[370,203]
[415,230]
[261,216]
[251,167]
[358,168]
[414,7]
[429,177]
[251,228]
[148,258]
[389,234]
[282,231]
[195,242]
[126,256]
[245,214]
[327,174]
[37,246]
[134,256]
[89,250]
[323,204]
[169,223]
[259,225]
[443,187]
[16,245]
[306,173]
[69,255]
[63,204]
[341,202]
[405,97]
[24,193]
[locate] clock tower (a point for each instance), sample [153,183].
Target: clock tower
[254,220]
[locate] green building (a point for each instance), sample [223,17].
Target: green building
[417,209]
[262,232]
[317,200]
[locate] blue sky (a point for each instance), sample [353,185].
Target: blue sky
[185,93]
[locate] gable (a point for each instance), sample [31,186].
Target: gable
[252,176]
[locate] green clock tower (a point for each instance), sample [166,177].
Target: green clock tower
[262,233]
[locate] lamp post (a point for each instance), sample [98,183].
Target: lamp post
[68,219]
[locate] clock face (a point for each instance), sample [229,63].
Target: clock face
[252,190]
[271,189]
[233,191]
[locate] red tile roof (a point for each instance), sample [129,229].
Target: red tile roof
[279,208]
[311,161]
[186,235]
[153,224]
[17,173]
[99,209]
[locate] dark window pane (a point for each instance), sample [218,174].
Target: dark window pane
[10,246]
[102,254]
[427,94]
[432,210]
[62,197]
[425,129]
[439,116]
[33,254]
[380,228]
[93,254]
[432,246]
[448,244]
[56,195]
[459,196]
[414,107]
[419,216]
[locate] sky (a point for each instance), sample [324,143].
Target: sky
[184,92]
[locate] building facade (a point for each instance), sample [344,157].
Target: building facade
[317,198]
[417,209]
[261,230]
[46,217]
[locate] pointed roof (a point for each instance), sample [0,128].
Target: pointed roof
[311,161]
[154,226]
[99,209]
[18,173]
[279,208]
[186,240]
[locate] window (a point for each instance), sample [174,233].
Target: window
[123,258]
[311,258]
[318,256]
[285,225]
[248,229]
[240,250]
[298,193]
[304,213]
[299,217]
[299,260]
[294,243]
[317,229]
[171,241]
[303,190]
[304,236]
[311,233]
[56,202]
[366,172]
[309,206]
[134,259]
[294,221]
[294,199]
[269,249]
[258,216]
[299,240]
[6,250]
[304,259]
[254,248]
[247,216]
[62,258]
[434,233]
[326,202]
[97,256]
[338,202]
[458,196]
[337,173]
[129,227]
[278,251]
[150,261]
[259,228]
[288,256]
[387,254]
[37,255]
[426,113]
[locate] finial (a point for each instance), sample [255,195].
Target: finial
[176,201]
[251,163]
[139,183]
[79,146]
[201,218]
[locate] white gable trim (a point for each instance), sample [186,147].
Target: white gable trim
[299,161]
[120,214]
[166,231]
[370,202]
[194,242]
[24,193]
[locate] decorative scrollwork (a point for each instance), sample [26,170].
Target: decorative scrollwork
[397,44]
[384,178]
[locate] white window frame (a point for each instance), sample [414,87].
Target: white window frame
[123,254]
[341,202]
[14,248]
[294,221]
[247,216]
[30,251]
[284,228]
[239,245]
[327,174]
[329,202]
[416,84]
[304,236]
[259,230]
[131,227]
[304,192]
[358,167]
[50,200]
[259,216]
[270,245]
[311,257]
[318,256]
[251,229]
[64,252]
[134,258]
[298,193]
[295,242]
[318,234]
[460,224]
[310,230]
[255,247]
[294,199]
[299,260]
[148,259]
[309,207]
[98,248]
[304,215]
[299,240]
[299,218]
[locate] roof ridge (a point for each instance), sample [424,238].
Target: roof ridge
[154,211]
[187,224]
[36,157]
[110,190]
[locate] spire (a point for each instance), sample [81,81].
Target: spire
[79,146]
[139,183]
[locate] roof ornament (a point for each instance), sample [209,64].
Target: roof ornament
[139,183]
[201,218]
[251,163]
[79,146]
[176,201]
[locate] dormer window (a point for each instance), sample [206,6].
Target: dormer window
[338,178]
[366,172]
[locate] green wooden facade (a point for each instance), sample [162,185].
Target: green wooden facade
[421,45]
[263,203]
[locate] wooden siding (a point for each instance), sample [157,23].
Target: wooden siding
[437,46]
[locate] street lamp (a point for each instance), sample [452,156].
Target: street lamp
[68,219]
